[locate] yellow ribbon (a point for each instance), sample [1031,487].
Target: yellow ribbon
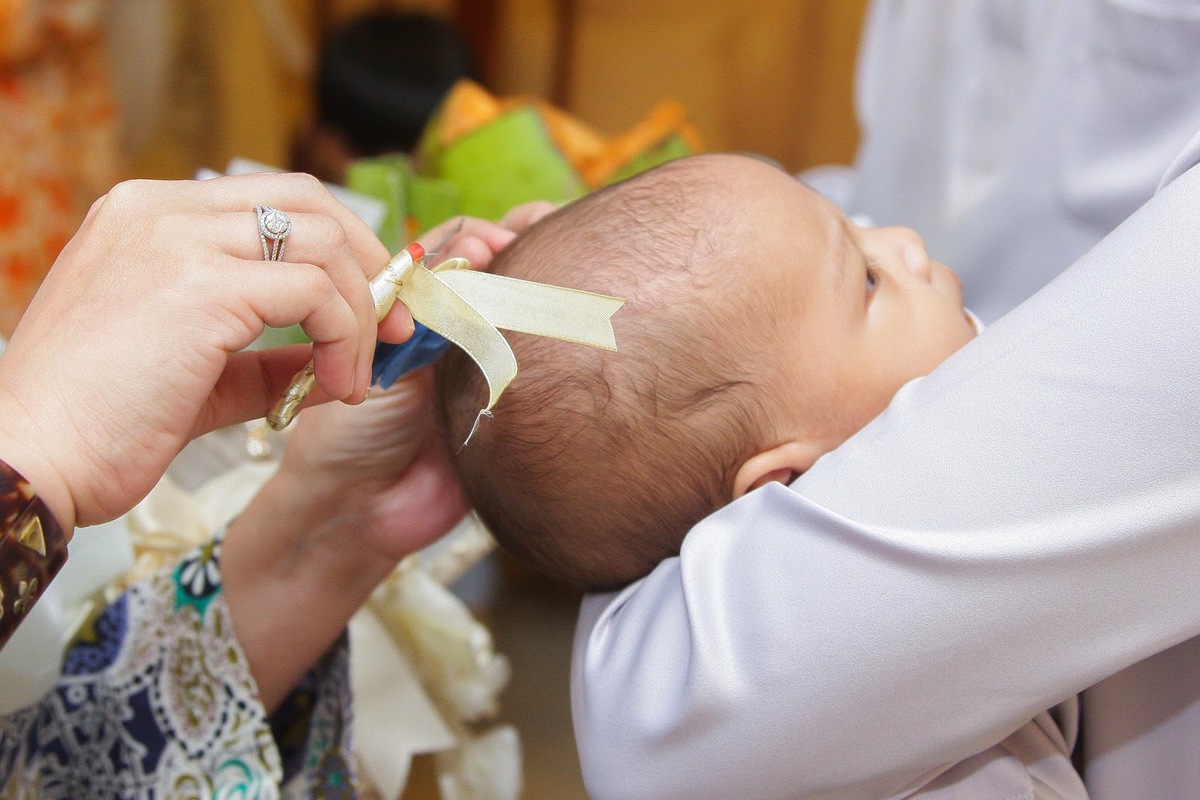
[537,308]
[468,307]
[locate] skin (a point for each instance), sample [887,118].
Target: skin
[131,347]
[134,345]
[359,488]
[863,311]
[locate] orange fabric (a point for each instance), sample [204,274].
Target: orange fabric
[58,137]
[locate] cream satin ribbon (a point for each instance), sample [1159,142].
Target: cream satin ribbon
[468,308]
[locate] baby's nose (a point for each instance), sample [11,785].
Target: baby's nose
[911,248]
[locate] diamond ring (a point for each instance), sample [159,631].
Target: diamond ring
[273,229]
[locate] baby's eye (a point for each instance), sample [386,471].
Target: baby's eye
[872,278]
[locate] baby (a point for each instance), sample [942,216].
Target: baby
[762,329]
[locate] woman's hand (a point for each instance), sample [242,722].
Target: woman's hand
[478,241]
[366,453]
[131,347]
[385,483]
[359,488]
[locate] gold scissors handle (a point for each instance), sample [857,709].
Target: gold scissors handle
[384,288]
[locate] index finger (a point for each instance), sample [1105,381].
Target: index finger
[289,192]
[474,239]
[521,217]
[297,192]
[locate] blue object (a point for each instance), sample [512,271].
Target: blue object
[394,361]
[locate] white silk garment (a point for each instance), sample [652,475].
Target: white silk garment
[1014,134]
[1016,527]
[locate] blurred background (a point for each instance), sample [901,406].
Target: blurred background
[223,78]
[92,92]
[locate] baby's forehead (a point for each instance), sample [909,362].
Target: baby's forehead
[758,199]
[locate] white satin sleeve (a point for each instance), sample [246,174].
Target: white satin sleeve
[1018,525]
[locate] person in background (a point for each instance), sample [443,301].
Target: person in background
[378,80]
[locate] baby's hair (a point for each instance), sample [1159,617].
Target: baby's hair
[596,464]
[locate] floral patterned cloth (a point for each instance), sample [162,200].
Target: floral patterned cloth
[156,701]
[58,136]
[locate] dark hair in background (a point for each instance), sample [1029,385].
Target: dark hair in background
[381,76]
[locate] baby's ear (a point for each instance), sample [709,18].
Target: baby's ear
[784,463]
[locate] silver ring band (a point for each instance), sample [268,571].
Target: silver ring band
[273,229]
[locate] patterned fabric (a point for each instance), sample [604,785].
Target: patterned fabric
[32,549]
[58,136]
[156,701]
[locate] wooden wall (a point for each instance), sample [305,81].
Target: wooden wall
[769,76]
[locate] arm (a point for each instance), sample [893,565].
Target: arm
[359,488]
[1015,527]
[133,344]
[220,648]
[314,543]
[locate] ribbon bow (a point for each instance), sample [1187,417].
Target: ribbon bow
[467,308]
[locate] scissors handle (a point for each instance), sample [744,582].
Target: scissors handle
[384,288]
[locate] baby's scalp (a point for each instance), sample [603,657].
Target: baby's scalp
[596,464]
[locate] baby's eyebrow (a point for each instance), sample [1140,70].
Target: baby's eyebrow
[844,243]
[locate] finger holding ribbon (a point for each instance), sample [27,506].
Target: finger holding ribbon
[471,238]
[319,245]
[314,243]
[137,333]
[478,240]
[288,230]
[455,304]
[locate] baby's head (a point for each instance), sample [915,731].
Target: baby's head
[761,329]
